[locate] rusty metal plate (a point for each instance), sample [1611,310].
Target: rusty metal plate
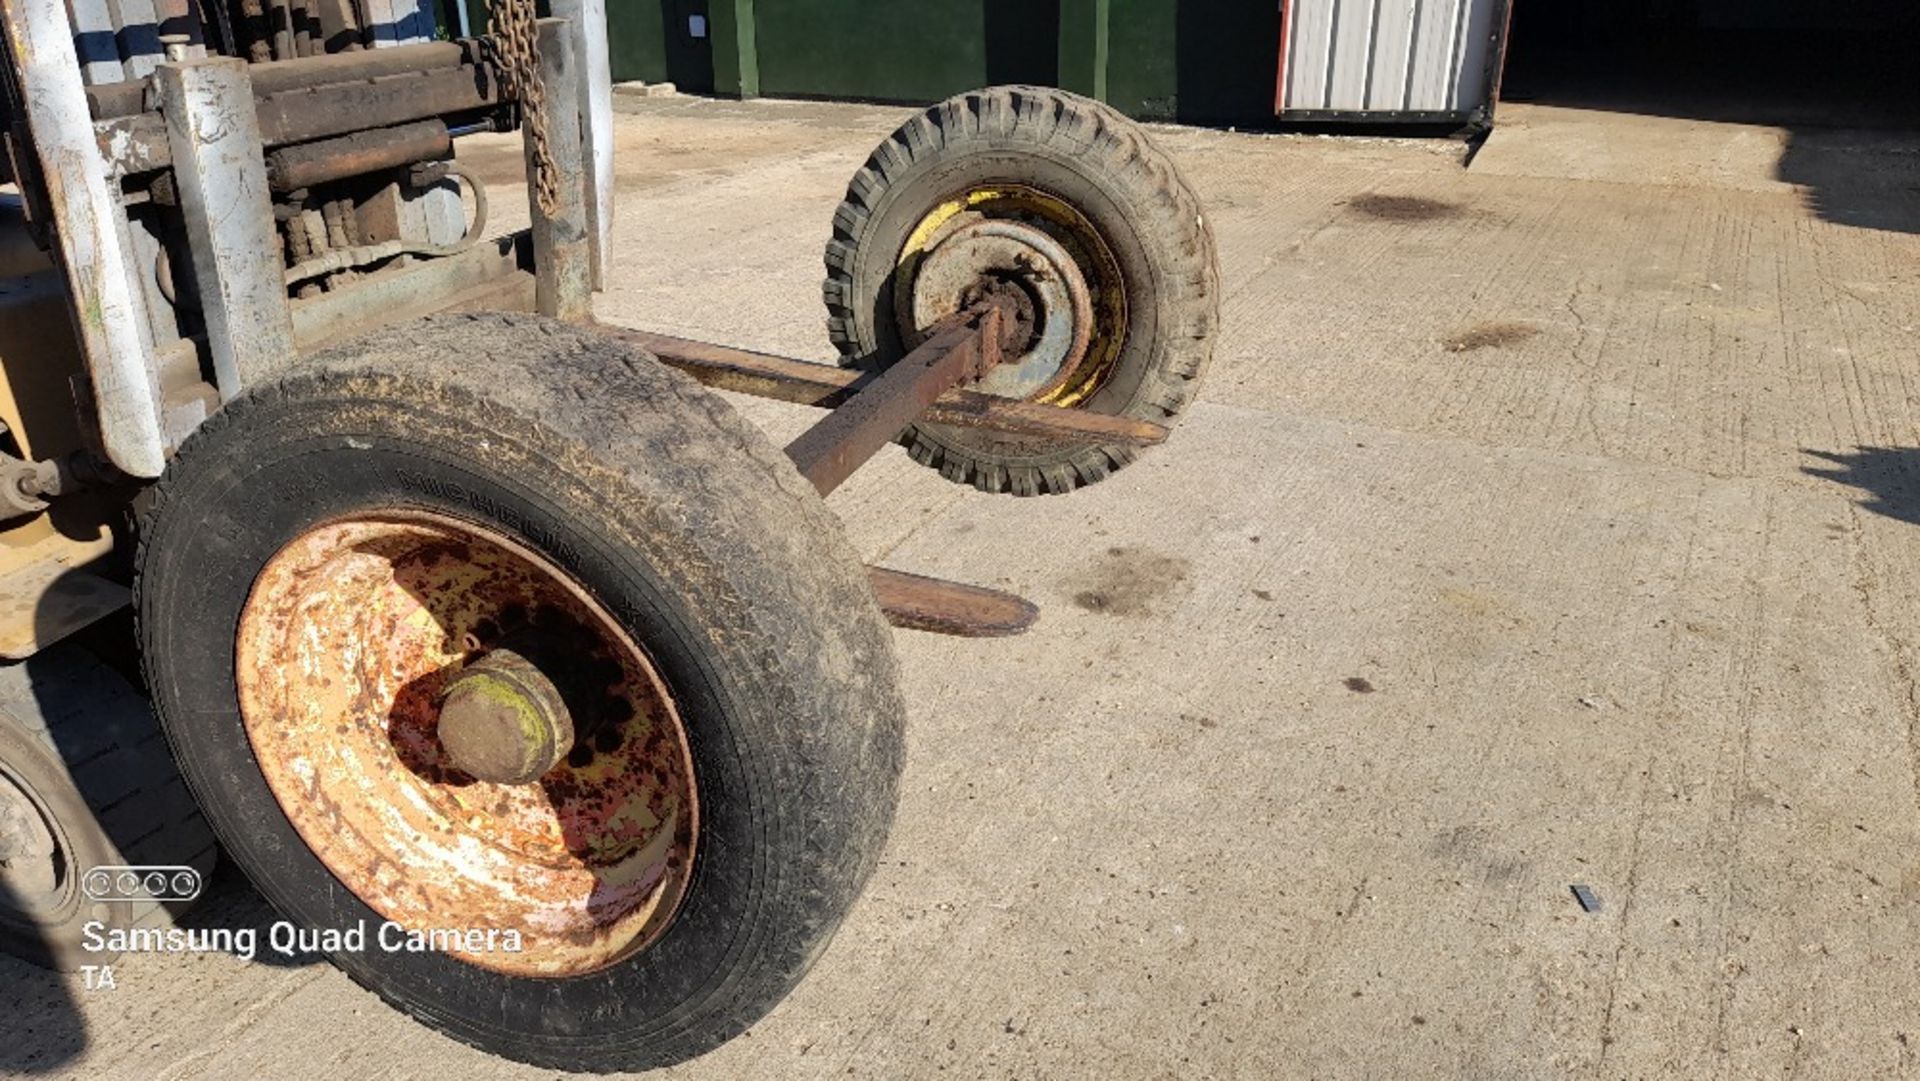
[918,603]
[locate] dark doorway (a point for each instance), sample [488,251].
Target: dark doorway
[688,37]
[1797,63]
[1023,42]
[1227,55]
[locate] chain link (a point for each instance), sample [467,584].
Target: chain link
[515,42]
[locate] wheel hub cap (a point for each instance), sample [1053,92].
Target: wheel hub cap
[1042,247]
[504,721]
[1057,307]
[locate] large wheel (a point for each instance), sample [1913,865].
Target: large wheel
[1071,201]
[86,784]
[488,624]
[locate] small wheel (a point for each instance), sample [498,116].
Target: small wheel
[86,784]
[1065,198]
[544,662]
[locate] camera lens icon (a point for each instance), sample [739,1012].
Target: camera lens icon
[163,884]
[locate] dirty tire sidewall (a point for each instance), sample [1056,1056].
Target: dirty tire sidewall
[56,939]
[1103,165]
[693,532]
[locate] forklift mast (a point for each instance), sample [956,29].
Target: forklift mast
[212,189]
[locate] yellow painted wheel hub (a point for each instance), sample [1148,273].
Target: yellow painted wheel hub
[1079,373]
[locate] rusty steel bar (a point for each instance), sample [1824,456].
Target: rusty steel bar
[917,603]
[294,167]
[316,112]
[764,375]
[138,144]
[588,18]
[490,276]
[962,346]
[562,247]
[222,187]
[298,74]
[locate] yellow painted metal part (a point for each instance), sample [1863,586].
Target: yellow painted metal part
[46,591]
[1060,220]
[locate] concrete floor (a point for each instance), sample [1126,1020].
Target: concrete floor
[1530,531]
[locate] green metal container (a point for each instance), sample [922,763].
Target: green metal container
[1201,61]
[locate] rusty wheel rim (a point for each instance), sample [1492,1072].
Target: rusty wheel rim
[346,648]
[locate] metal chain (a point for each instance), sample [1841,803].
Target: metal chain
[514,40]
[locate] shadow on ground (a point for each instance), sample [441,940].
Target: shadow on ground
[44,1028]
[1866,179]
[231,904]
[1889,475]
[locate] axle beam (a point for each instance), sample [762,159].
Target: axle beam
[962,347]
[764,375]
[869,410]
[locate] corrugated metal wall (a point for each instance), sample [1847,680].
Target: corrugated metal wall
[1389,56]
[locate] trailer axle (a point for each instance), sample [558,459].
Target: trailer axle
[870,410]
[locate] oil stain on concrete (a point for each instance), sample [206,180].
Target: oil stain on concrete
[1402,208]
[1130,582]
[1497,334]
